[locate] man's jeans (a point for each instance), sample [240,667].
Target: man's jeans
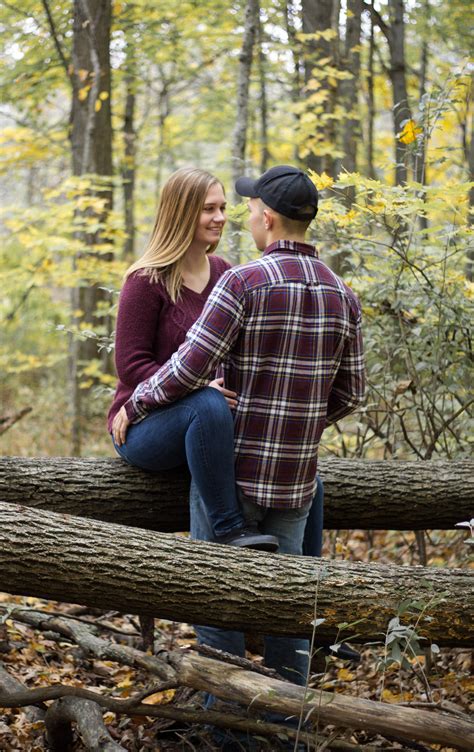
[197,430]
[289,527]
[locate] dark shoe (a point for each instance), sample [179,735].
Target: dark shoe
[246,537]
[344,653]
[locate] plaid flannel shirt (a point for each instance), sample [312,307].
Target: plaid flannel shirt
[287,332]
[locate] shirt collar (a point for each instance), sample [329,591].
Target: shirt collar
[293,246]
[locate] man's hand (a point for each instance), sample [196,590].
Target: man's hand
[120,427]
[231,397]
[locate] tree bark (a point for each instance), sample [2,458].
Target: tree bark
[87,716]
[91,141]
[129,165]
[239,135]
[350,89]
[359,494]
[112,567]
[317,16]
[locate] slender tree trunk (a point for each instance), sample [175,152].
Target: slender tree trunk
[294,46]
[469,151]
[370,101]
[264,149]
[129,167]
[163,114]
[91,140]
[239,136]
[350,88]
[317,16]
[401,107]
[420,156]
[363,494]
[113,567]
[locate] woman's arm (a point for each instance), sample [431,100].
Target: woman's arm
[137,324]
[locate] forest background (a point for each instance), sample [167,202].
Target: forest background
[101,101]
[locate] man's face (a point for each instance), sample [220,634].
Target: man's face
[257,223]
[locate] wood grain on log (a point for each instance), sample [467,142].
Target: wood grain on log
[113,567]
[363,494]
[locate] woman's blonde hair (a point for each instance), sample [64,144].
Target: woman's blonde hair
[177,217]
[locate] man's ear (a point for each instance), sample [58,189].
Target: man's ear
[267,219]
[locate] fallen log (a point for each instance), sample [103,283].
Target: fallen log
[362,494]
[112,567]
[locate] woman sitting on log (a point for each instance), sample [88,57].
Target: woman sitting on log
[163,295]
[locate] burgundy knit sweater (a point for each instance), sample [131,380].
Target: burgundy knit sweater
[150,328]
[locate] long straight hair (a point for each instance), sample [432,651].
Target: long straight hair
[177,217]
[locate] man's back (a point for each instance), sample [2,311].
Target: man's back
[298,323]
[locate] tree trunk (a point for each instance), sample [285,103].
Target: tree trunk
[294,47]
[108,566]
[350,89]
[359,494]
[239,135]
[91,141]
[401,107]
[370,100]
[264,150]
[129,167]
[317,16]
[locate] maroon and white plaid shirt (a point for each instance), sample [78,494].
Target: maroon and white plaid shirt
[286,330]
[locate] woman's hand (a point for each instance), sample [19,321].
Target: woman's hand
[231,397]
[120,426]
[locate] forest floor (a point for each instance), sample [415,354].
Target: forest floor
[444,677]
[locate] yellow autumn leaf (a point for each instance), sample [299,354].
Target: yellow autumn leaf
[98,105]
[159,698]
[104,95]
[345,675]
[321,181]
[82,73]
[82,93]
[410,132]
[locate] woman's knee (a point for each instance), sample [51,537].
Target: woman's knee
[211,406]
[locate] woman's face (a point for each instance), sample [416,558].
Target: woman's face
[213,217]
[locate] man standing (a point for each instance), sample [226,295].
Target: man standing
[287,332]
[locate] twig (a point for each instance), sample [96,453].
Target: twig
[235,660]
[8,421]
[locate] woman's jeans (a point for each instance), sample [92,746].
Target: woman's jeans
[297,530]
[197,430]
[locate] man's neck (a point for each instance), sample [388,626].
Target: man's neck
[274,237]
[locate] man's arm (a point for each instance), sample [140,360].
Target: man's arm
[206,345]
[348,388]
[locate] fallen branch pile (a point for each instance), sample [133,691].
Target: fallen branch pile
[230,682]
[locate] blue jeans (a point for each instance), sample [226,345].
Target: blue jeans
[289,527]
[197,430]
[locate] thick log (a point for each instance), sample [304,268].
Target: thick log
[112,567]
[363,494]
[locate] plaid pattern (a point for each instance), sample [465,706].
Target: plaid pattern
[287,331]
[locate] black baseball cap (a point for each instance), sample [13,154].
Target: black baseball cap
[284,188]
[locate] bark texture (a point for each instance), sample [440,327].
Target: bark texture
[91,143]
[87,717]
[359,494]
[108,566]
